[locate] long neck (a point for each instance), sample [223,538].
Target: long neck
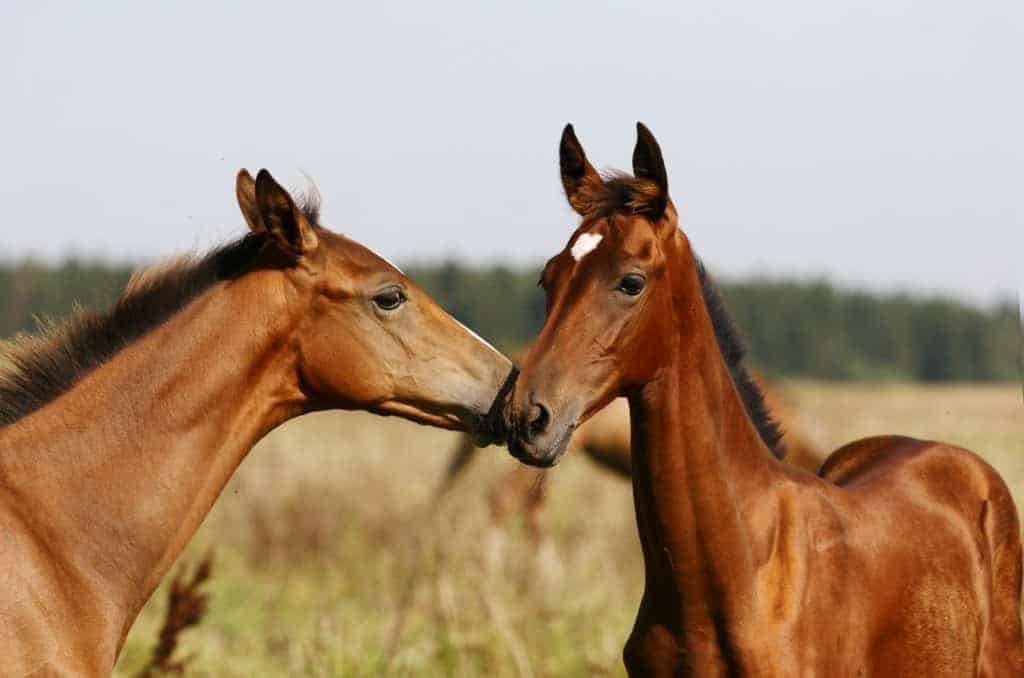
[698,464]
[117,474]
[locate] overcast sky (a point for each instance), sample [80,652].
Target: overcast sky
[879,143]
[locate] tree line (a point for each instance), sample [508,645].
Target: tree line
[793,328]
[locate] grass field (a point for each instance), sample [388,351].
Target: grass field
[322,531]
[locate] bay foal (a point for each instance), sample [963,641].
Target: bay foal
[118,430]
[903,558]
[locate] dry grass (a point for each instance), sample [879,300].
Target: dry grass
[186,605]
[324,541]
[988,419]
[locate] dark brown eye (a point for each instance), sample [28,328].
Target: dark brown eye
[632,284]
[389,299]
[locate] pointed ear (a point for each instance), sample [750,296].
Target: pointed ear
[283,221]
[648,164]
[579,178]
[245,191]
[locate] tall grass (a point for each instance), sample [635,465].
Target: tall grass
[330,562]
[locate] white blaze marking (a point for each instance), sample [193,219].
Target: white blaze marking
[585,244]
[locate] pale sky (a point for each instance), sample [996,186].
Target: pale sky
[878,143]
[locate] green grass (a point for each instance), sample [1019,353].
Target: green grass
[320,533]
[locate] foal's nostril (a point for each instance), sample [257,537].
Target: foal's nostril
[538,420]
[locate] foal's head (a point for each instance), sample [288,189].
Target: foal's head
[612,296]
[367,336]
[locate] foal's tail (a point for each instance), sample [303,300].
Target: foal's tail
[1002,652]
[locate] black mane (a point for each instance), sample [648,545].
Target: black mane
[733,350]
[37,368]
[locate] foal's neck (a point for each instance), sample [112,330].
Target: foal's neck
[118,473]
[699,468]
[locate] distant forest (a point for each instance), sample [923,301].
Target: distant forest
[796,329]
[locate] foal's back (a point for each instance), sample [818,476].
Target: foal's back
[914,503]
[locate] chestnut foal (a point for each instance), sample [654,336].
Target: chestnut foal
[118,430]
[903,558]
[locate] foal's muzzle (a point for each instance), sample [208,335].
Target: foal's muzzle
[534,438]
[491,429]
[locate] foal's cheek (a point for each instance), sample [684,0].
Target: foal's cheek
[347,367]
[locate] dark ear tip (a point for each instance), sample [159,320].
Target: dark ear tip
[643,132]
[265,183]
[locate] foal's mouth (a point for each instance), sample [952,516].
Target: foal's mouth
[490,429]
[485,429]
[547,456]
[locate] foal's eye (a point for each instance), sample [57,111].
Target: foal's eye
[390,299]
[632,284]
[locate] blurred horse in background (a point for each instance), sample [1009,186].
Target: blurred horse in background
[119,429]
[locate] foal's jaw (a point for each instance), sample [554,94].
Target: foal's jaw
[463,400]
[462,421]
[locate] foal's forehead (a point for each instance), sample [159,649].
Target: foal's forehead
[349,253]
[616,234]
[606,238]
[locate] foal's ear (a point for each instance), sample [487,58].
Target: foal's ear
[282,219]
[245,191]
[579,178]
[648,164]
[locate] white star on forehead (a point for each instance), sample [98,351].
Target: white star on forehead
[585,244]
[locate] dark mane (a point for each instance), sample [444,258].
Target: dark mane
[37,368]
[733,350]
